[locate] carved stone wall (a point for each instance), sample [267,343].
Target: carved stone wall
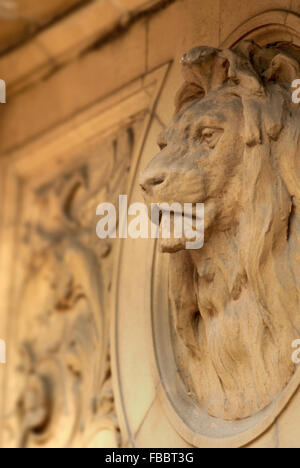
[105,338]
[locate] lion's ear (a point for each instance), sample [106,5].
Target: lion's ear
[203,70]
[186,94]
[241,72]
[283,69]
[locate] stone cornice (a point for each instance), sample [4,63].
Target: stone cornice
[66,39]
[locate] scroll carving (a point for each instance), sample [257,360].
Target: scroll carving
[64,391]
[234,145]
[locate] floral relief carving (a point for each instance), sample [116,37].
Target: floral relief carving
[64,391]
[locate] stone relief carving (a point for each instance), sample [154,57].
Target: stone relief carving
[233,145]
[64,392]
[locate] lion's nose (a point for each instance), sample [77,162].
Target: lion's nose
[147,183]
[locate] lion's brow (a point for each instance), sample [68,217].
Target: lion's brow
[210,121]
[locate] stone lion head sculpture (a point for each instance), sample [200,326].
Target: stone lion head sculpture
[234,145]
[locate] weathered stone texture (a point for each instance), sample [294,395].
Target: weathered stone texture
[90,86]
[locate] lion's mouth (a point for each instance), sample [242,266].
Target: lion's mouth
[177,227]
[182,212]
[192,215]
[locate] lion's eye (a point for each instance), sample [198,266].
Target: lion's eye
[211,136]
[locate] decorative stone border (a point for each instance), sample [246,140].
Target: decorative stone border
[270,26]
